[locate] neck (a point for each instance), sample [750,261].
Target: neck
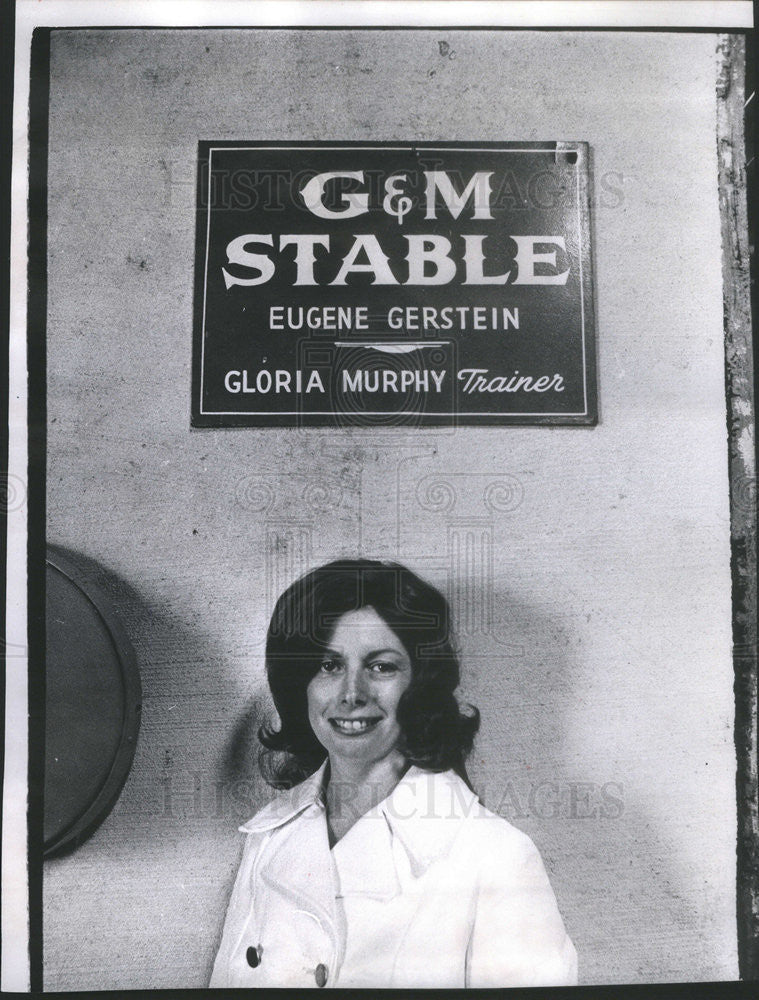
[379,777]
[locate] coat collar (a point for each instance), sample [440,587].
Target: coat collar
[425,812]
[284,806]
[415,812]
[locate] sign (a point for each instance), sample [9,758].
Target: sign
[393,285]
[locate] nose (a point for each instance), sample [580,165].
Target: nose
[353,692]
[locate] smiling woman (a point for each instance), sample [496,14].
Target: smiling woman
[381,868]
[353,710]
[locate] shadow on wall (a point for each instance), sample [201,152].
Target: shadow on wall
[241,761]
[518,669]
[604,852]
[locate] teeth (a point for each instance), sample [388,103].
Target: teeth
[352,725]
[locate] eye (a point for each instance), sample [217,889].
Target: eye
[329,665]
[383,667]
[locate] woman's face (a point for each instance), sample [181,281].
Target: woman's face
[353,697]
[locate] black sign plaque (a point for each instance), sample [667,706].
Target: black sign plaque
[341,284]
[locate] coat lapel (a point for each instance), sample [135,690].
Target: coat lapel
[298,864]
[404,834]
[296,860]
[364,858]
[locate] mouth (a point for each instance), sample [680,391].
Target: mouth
[354,727]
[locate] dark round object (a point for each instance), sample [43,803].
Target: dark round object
[253,957]
[92,707]
[320,974]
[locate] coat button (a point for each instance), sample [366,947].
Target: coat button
[253,957]
[320,974]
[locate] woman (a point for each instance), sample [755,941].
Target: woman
[381,868]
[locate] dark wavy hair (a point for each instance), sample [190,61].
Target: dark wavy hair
[435,734]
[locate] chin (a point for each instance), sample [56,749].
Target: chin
[356,752]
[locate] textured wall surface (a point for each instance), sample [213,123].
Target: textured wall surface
[592,583]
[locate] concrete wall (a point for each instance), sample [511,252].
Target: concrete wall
[601,658]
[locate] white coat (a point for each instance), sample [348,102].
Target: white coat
[427,889]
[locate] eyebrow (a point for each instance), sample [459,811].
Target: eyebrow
[372,652]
